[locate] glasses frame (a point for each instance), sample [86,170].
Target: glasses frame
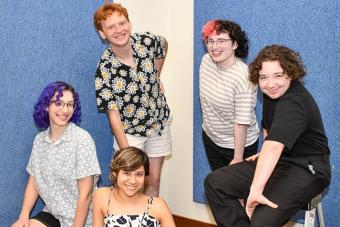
[219,42]
[62,104]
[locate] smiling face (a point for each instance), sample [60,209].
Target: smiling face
[272,79]
[221,49]
[116,29]
[131,182]
[60,111]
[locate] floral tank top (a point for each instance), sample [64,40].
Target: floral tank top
[138,220]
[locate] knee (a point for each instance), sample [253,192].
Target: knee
[218,179]
[264,223]
[154,183]
[213,184]
[260,217]
[208,181]
[153,180]
[152,186]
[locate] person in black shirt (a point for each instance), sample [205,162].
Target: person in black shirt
[293,164]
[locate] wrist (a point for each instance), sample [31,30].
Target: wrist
[24,216]
[125,145]
[256,189]
[238,158]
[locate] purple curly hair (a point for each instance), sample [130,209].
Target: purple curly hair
[40,114]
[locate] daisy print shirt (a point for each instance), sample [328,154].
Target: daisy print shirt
[134,91]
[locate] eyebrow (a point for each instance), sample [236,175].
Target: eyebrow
[65,101]
[118,22]
[264,74]
[218,38]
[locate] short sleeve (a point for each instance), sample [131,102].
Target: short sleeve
[86,160]
[263,125]
[289,122]
[104,83]
[32,159]
[158,45]
[245,101]
[204,63]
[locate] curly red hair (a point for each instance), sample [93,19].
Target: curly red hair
[106,10]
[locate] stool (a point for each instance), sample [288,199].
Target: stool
[311,208]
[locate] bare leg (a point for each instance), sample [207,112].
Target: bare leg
[36,223]
[152,181]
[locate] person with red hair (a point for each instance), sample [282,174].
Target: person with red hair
[129,90]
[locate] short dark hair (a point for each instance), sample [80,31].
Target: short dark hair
[128,159]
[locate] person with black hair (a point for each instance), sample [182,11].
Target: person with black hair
[228,99]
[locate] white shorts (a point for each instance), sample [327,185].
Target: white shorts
[154,146]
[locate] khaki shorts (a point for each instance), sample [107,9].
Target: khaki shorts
[154,146]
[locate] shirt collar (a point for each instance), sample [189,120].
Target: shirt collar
[65,137]
[132,41]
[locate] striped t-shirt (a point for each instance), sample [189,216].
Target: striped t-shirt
[227,97]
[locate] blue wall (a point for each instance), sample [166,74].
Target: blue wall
[43,41]
[310,27]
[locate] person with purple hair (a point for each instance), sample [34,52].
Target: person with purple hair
[63,168]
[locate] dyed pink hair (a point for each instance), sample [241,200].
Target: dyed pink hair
[209,29]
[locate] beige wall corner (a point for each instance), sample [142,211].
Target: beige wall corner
[174,21]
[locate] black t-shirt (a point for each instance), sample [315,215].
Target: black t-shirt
[295,121]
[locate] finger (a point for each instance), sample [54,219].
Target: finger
[249,211]
[270,203]
[241,202]
[250,207]
[252,158]
[251,203]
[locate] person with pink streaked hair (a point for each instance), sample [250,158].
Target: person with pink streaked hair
[230,130]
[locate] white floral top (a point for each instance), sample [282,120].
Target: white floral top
[134,91]
[56,168]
